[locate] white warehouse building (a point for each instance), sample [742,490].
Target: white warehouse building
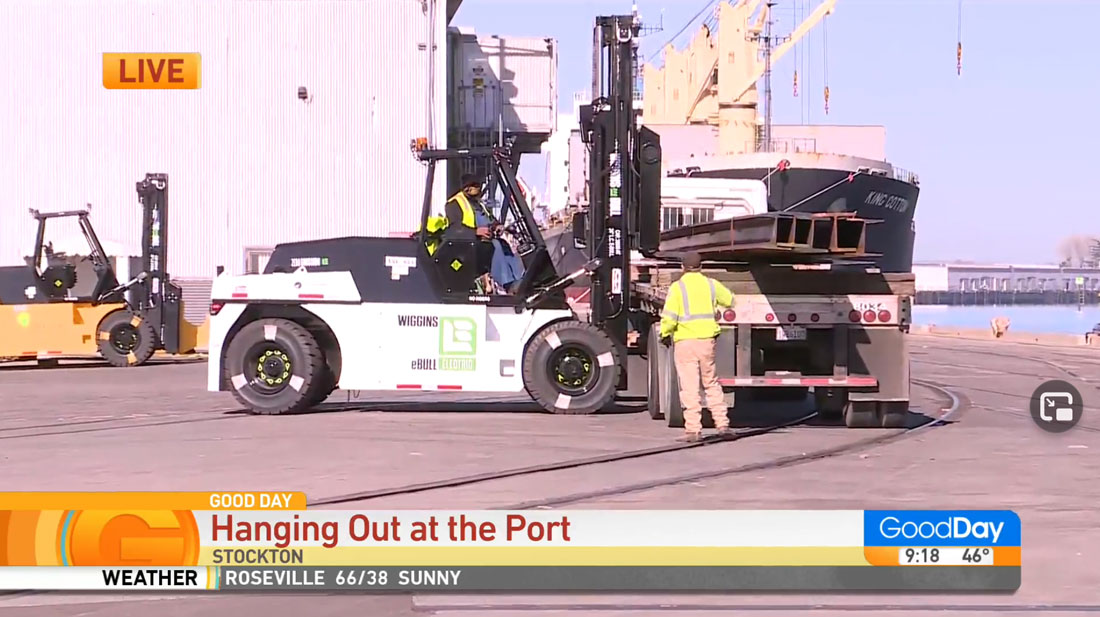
[250,162]
[300,127]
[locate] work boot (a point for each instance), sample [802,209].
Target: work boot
[690,437]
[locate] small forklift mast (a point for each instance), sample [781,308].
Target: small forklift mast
[624,182]
[154,295]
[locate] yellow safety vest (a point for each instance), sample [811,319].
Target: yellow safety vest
[690,305]
[468,218]
[436,224]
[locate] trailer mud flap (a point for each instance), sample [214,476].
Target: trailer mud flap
[882,353]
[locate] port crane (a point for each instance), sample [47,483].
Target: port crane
[722,67]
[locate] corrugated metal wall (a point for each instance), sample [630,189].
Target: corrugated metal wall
[249,164]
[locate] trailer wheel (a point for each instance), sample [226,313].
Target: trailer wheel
[274,366]
[654,350]
[570,368]
[895,414]
[125,339]
[861,414]
[670,389]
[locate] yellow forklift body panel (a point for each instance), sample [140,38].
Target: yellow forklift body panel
[54,329]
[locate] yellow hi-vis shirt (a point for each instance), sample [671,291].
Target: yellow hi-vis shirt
[690,305]
[467,210]
[436,224]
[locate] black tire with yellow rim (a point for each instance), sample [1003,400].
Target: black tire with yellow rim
[570,367]
[274,366]
[124,338]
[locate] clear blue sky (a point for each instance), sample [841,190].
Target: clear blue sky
[1006,152]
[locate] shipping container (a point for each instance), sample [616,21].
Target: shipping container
[299,128]
[503,83]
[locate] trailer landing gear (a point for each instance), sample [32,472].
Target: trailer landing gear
[570,368]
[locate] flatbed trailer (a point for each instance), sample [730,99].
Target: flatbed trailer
[836,329]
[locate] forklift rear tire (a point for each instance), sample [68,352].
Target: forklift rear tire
[274,366]
[570,367]
[125,339]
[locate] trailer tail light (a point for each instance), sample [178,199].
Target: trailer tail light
[854,316]
[729,315]
[792,317]
[884,315]
[868,315]
[814,317]
[216,307]
[769,318]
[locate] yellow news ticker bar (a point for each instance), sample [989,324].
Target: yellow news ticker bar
[536,556]
[226,500]
[138,71]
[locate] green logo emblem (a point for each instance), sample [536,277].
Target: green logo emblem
[457,344]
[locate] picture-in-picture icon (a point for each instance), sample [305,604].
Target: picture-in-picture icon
[1056,406]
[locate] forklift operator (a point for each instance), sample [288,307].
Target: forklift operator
[462,218]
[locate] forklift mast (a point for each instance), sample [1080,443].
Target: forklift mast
[156,297]
[624,177]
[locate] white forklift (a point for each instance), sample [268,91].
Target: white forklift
[400,314]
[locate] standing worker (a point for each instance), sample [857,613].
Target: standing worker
[688,318]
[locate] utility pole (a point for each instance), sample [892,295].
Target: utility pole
[768,42]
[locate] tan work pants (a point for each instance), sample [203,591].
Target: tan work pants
[695,360]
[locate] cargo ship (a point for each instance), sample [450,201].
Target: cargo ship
[815,182]
[723,134]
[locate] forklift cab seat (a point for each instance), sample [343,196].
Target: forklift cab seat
[456,261]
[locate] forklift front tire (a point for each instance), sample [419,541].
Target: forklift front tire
[274,366]
[125,339]
[570,368]
[326,385]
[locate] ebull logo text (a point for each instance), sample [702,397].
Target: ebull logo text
[457,342]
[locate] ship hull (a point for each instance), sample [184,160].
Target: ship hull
[879,198]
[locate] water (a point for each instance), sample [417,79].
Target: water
[1041,319]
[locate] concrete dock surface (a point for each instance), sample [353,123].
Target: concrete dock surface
[91,427]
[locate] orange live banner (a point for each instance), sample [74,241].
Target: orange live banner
[149,71]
